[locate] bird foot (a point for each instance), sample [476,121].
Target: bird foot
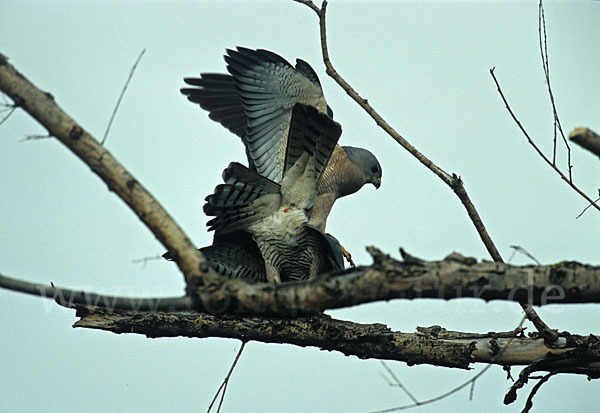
[348,256]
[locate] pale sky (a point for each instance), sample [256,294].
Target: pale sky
[423,65]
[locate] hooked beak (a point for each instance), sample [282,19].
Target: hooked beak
[376,182]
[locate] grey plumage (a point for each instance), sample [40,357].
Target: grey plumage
[277,214]
[236,256]
[255,102]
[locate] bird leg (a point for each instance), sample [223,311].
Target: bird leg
[348,256]
[272,273]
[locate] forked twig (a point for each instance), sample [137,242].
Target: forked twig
[471,381]
[521,250]
[399,383]
[534,390]
[537,149]
[543,40]
[225,382]
[10,112]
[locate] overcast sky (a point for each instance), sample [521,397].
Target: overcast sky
[423,65]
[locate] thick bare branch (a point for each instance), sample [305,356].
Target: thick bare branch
[454,277]
[587,139]
[42,107]
[387,279]
[433,345]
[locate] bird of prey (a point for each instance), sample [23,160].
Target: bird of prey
[275,212]
[236,255]
[255,101]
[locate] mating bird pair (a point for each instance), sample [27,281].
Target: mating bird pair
[270,217]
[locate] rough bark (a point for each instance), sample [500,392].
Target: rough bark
[587,139]
[432,345]
[454,277]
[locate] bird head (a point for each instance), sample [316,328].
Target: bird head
[367,162]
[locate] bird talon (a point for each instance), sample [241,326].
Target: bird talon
[348,256]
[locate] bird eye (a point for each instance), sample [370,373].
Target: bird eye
[374,169]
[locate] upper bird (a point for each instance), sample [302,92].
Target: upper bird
[255,101]
[276,214]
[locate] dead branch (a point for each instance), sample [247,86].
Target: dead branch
[514,334]
[433,345]
[42,107]
[587,139]
[452,278]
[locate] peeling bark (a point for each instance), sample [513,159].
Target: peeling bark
[432,345]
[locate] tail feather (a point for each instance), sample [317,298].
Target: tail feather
[244,198]
[236,255]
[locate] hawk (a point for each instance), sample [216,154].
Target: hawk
[235,255]
[255,101]
[276,212]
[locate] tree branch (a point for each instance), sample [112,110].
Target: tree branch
[454,181]
[587,139]
[538,150]
[41,106]
[454,277]
[433,345]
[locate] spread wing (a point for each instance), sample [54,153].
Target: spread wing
[314,133]
[216,93]
[267,88]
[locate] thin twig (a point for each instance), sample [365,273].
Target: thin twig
[310,4]
[532,143]
[10,112]
[453,181]
[534,390]
[223,385]
[543,41]
[460,387]
[35,138]
[68,298]
[586,208]
[112,117]
[399,383]
[523,251]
